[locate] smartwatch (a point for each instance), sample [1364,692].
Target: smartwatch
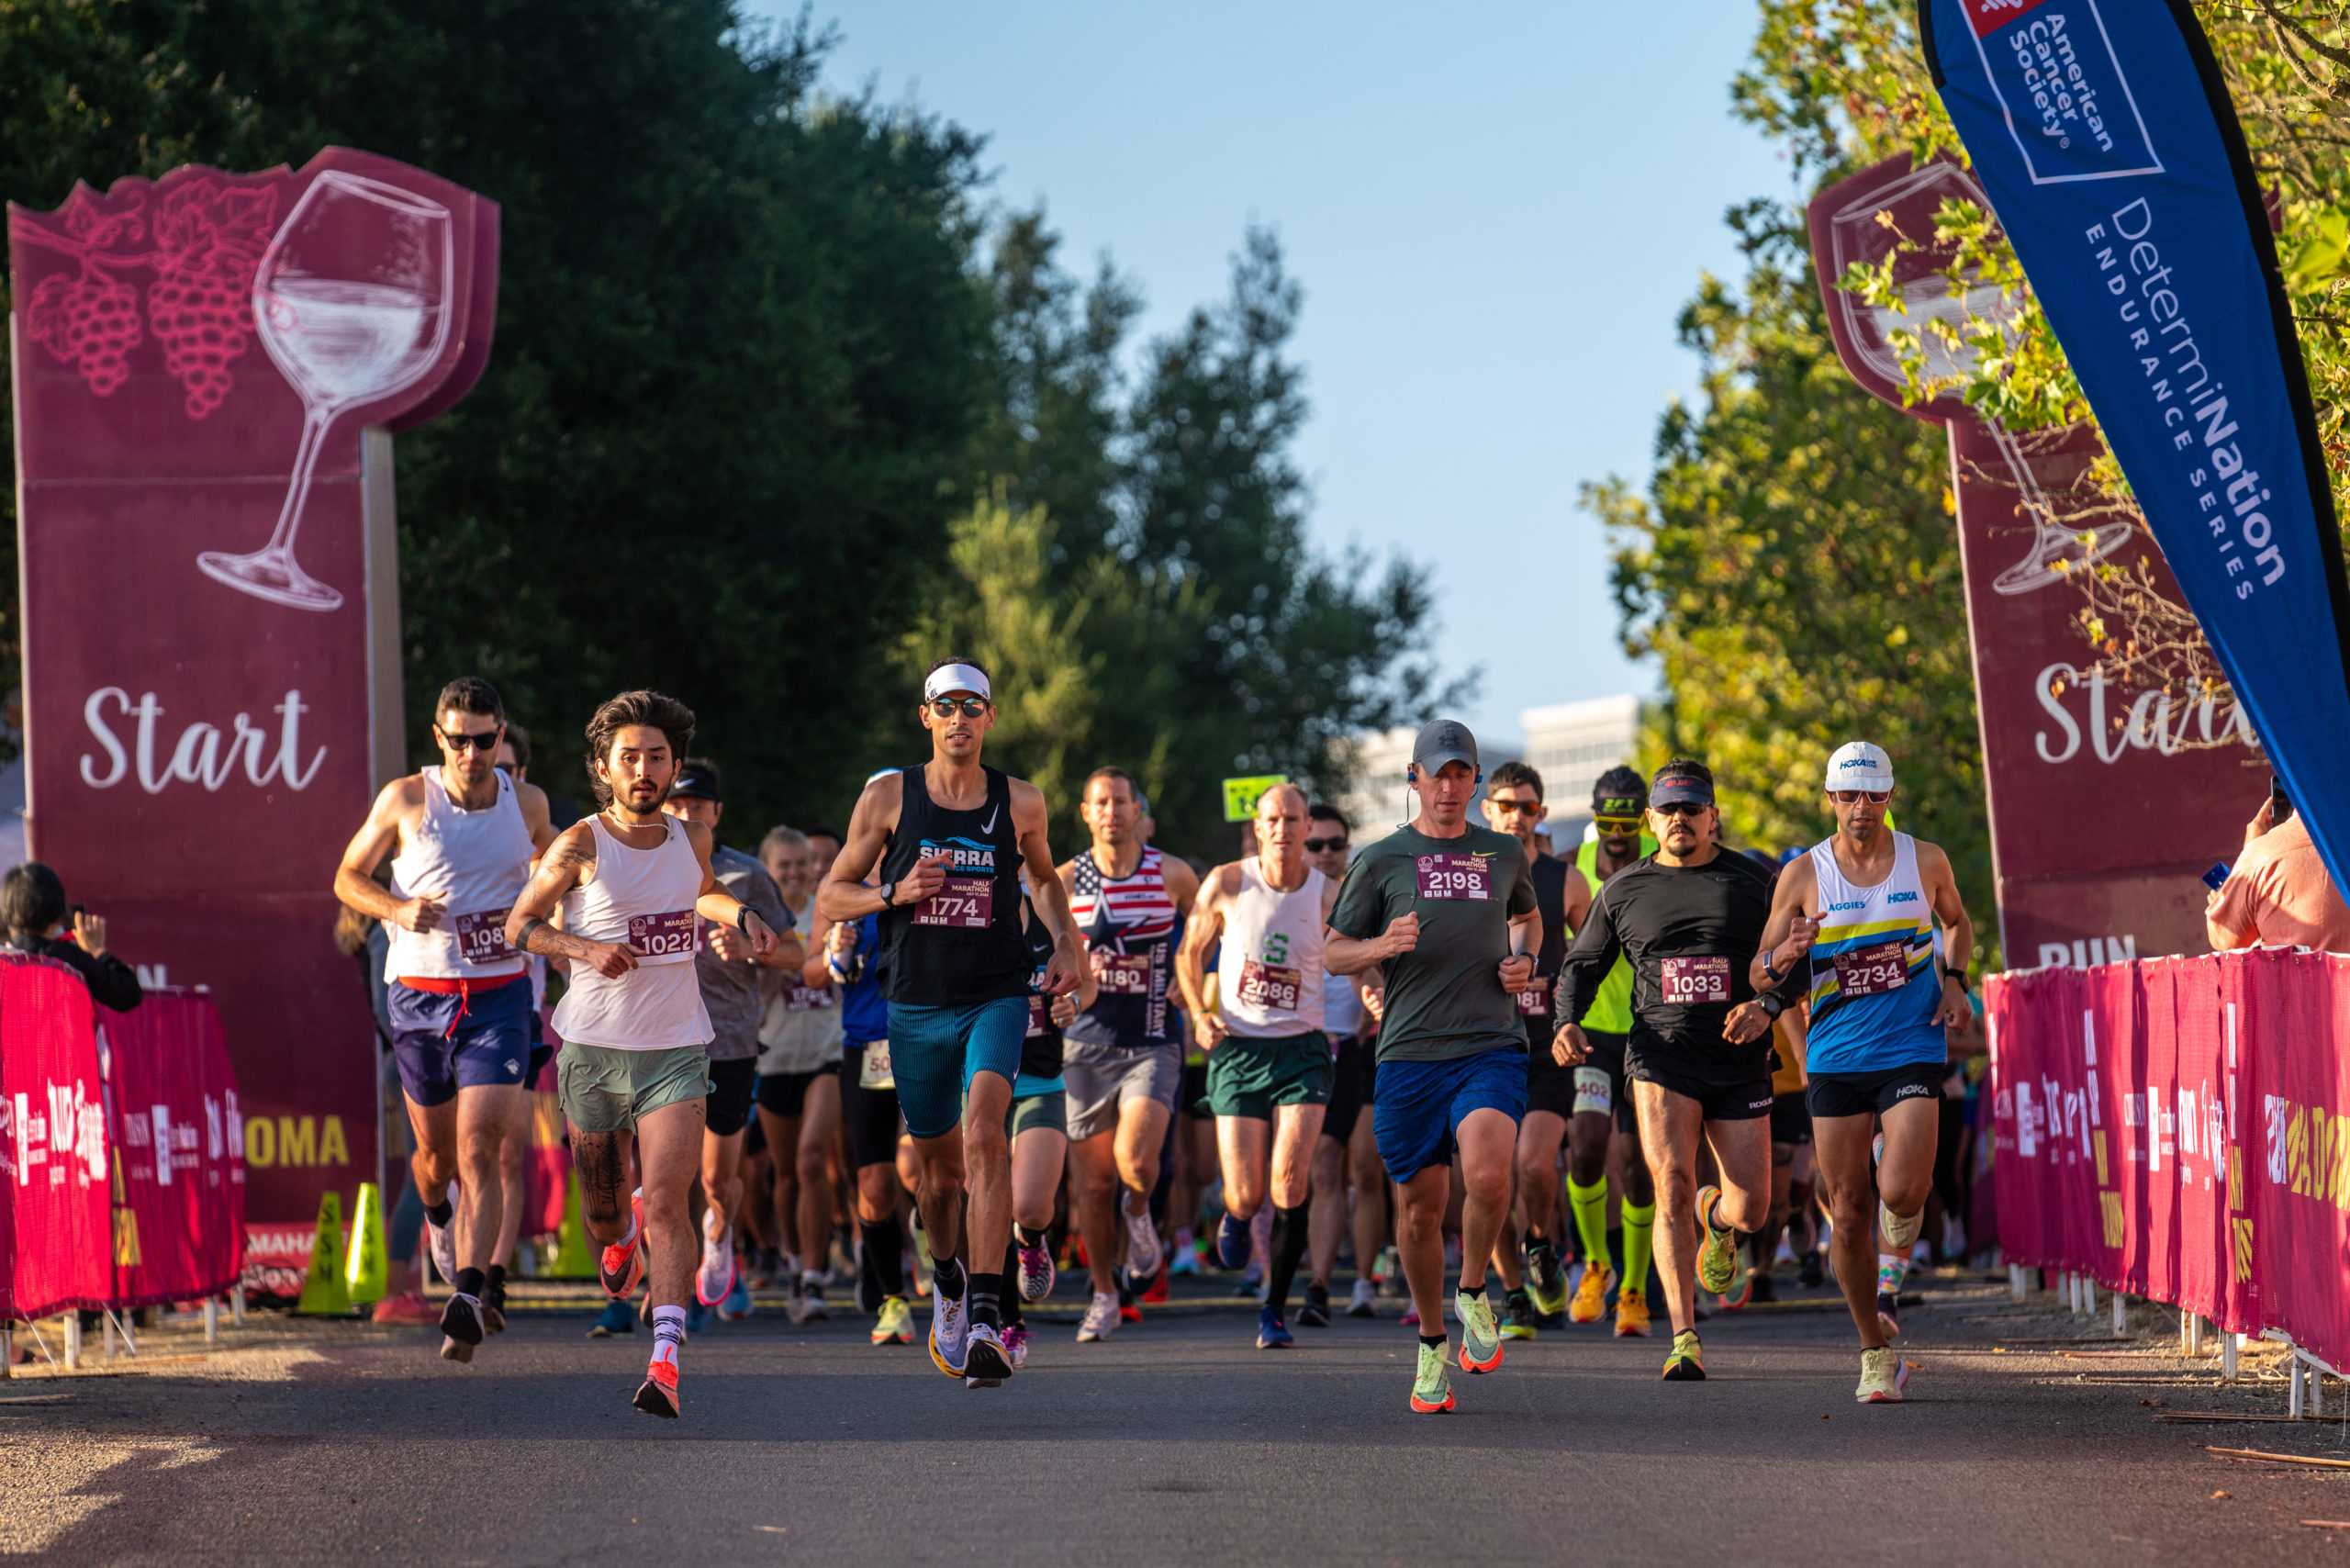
[1770,1002]
[888,892]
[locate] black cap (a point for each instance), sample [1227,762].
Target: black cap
[1619,793]
[695,782]
[1441,741]
[1675,786]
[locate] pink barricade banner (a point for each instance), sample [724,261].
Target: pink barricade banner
[55,1224]
[2179,1130]
[180,1199]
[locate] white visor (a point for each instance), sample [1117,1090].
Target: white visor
[955,678]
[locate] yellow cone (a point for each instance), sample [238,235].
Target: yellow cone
[575,1257]
[324,1291]
[364,1272]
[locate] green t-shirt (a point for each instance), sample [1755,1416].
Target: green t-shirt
[1444,997]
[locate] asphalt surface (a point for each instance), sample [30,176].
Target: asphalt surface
[1177,1442]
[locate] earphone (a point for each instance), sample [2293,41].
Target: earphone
[1412,775]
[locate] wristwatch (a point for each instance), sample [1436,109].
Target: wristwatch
[1960,976]
[888,895]
[1770,1002]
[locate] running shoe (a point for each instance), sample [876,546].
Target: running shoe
[1187,1257]
[1365,1303]
[1590,1302]
[1015,1344]
[1411,1318]
[1272,1334]
[461,1327]
[1745,1283]
[1389,1274]
[1432,1390]
[1902,1232]
[621,1265]
[1160,1290]
[1546,1283]
[716,1275]
[1889,1310]
[1518,1316]
[1232,1242]
[1883,1375]
[1760,1290]
[737,1304]
[764,1267]
[1631,1315]
[1143,1251]
[1129,1310]
[1316,1313]
[406,1309]
[697,1318]
[658,1394]
[1686,1365]
[1036,1273]
[442,1242]
[493,1308]
[896,1324]
[950,1332]
[806,1304]
[1809,1274]
[617,1317]
[986,1364]
[1718,1258]
[1100,1319]
[1481,1338]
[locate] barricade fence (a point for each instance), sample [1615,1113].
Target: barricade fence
[2179,1130]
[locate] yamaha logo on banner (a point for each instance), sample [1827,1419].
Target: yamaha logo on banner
[2104,137]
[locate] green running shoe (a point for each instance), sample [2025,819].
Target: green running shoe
[1545,1280]
[1432,1390]
[1481,1338]
[1718,1258]
[1686,1365]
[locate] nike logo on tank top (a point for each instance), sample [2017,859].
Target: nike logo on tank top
[1873,982]
[963,944]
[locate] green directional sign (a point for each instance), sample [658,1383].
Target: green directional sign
[1240,794]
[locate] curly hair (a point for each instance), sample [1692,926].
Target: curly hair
[649,709]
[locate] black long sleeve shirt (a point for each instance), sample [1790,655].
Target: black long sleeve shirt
[112,983]
[1689,932]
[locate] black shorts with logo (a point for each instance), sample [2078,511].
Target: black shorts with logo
[1742,1099]
[1873,1093]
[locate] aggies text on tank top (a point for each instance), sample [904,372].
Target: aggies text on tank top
[475,863]
[1131,926]
[645,898]
[1269,973]
[1874,984]
[962,945]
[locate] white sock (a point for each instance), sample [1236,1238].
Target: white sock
[668,1333]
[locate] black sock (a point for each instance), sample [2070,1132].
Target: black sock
[1432,1339]
[1022,1236]
[883,1262]
[468,1282]
[1288,1246]
[441,1212]
[1469,1290]
[1008,1302]
[496,1283]
[946,1277]
[987,1299]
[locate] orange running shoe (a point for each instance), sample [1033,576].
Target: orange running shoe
[657,1396]
[620,1266]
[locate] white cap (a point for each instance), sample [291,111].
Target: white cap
[955,678]
[1859,765]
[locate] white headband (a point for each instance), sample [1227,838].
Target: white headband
[955,678]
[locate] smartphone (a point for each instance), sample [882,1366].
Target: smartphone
[2280,804]
[2217,877]
[74,913]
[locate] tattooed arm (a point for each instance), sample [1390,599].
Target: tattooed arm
[569,862]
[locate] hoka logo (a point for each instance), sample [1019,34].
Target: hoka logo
[1901,898]
[964,854]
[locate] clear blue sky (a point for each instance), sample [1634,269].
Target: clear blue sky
[1495,212]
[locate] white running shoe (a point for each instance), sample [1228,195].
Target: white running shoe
[716,1276]
[443,1240]
[1365,1304]
[950,1332]
[1143,1256]
[986,1362]
[1101,1318]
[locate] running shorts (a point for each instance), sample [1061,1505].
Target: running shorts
[1873,1093]
[1250,1074]
[1790,1118]
[1742,1102]
[443,1042]
[935,1052]
[1422,1104]
[1349,1089]
[784,1094]
[731,1083]
[1032,1111]
[869,1115]
[1102,1079]
[608,1090]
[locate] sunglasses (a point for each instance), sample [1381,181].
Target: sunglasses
[972,707]
[1684,808]
[1854,797]
[1627,826]
[459,740]
[1515,807]
[1319,845]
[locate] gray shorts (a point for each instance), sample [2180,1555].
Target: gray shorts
[604,1090]
[1101,1079]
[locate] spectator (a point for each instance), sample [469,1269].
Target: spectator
[2279,892]
[33,913]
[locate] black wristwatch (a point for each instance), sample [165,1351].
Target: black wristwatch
[1960,976]
[1770,1002]
[743,920]
[888,892]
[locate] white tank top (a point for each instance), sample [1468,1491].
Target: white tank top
[1268,976]
[475,863]
[645,898]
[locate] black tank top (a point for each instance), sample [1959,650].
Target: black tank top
[962,945]
[1040,1052]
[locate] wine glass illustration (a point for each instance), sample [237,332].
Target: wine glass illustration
[352,301]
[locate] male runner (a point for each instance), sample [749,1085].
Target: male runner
[629,881]
[462,838]
[847,955]
[1446,911]
[949,837]
[731,993]
[1514,804]
[1346,1154]
[514,1147]
[1269,1062]
[1698,1054]
[1123,1057]
[1038,1127]
[801,1085]
[1858,916]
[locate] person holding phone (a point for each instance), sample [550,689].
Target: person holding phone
[2278,893]
[35,918]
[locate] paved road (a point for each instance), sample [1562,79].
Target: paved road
[1176,1444]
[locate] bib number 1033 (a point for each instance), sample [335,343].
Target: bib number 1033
[1688,981]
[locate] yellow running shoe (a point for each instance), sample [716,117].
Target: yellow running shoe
[1432,1390]
[1590,1304]
[1686,1365]
[896,1326]
[1884,1374]
[1631,1314]
[1718,1258]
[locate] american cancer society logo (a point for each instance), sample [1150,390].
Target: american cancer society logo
[2068,104]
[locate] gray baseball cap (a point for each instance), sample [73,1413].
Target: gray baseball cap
[1441,741]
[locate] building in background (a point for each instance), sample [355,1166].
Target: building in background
[1570,744]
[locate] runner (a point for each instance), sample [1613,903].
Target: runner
[462,838]
[1123,1057]
[802,1087]
[1698,1053]
[1514,804]
[1346,1154]
[1270,1068]
[1602,1108]
[514,1149]
[630,881]
[1037,1125]
[1859,913]
[949,837]
[1438,906]
[730,980]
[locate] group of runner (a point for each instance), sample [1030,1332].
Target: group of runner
[978,1020]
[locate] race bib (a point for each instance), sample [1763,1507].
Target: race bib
[1123,974]
[661,935]
[1695,979]
[965,902]
[1871,972]
[800,998]
[481,937]
[1454,875]
[873,1071]
[1040,1014]
[1271,986]
[1593,1091]
[1534,1002]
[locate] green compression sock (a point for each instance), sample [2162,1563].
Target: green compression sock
[1639,1221]
[1590,1206]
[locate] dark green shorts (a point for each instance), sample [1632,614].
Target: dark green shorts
[607,1091]
[1248,1076]
[1047,1110]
